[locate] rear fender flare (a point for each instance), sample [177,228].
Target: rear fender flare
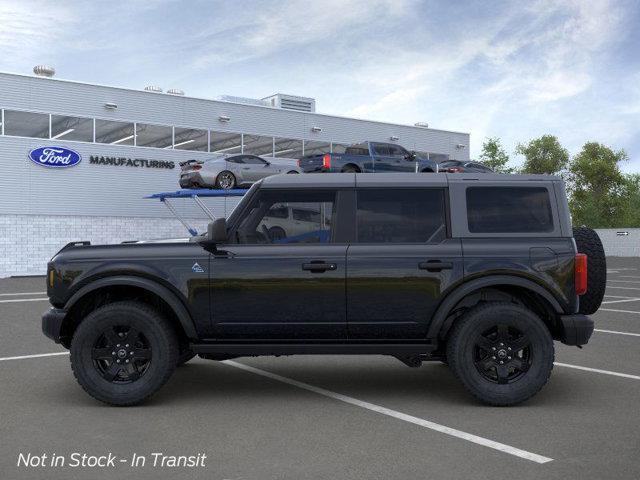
[439,324]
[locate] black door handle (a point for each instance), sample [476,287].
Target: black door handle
[319,267]
[435,266]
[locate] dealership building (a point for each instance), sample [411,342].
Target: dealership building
[128,144]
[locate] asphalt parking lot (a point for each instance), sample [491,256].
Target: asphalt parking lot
[336,417]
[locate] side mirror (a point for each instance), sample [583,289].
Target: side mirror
[217,231]
[267,164]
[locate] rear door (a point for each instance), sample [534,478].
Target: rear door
[401,261]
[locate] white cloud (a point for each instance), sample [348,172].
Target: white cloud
[29,31]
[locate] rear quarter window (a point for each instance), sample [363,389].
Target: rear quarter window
[509,210]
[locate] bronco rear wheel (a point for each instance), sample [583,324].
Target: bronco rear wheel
[123,352]
[501,352]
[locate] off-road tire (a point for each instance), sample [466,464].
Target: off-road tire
[588,242]
[462,348]
[154,328]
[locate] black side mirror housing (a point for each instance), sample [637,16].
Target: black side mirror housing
[217,231]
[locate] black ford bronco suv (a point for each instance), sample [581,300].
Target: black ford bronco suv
[480,271]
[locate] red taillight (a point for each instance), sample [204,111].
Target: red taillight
[581,273]
[454,170]
[298,162]
[196,167]
[326,161]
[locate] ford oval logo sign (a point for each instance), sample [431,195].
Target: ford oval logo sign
[56,157]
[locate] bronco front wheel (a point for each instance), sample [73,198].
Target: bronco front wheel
[123,352]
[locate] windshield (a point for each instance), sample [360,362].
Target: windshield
[247,196]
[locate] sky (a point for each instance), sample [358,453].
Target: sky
[513,70]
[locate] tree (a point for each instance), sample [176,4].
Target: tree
[631,210]
[494,156]
[543,155]
[600,193]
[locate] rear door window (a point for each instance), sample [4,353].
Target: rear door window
[509,210]
[381,150]
[401,216]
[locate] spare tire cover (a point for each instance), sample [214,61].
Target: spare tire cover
[588,242]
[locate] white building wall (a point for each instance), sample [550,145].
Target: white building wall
[42,209]
[27,242]
[617,244]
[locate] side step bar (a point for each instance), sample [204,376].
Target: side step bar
[254,349]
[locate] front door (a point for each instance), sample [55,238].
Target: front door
[401,262]
[281,278]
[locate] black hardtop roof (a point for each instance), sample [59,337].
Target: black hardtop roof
[320,180]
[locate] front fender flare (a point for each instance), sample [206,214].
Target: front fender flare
[161,291]
[439,324]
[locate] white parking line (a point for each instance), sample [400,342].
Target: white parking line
[597,370]
[630,299]
[617,333]
[619,311]
[623,288]
[616,296]
[628,276]
[395,414]
[39,355]
[623,281]
[16,300]
[21,293]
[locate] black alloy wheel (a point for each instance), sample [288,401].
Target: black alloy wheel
[502,354]
[121,354]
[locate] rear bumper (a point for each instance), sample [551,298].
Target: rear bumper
[576,329]
[191,180]
[52,321]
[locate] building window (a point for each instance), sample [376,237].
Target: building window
[114,133]
[26,124]
[338,147]
[72,128]
[157,136]
[190,139]
[287,148]
[509,210]
[401,216]
[312,147]
[258,145]
[224,142]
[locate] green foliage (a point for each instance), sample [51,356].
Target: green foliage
[494,156]
[543,155]
[631,211]
[600,194]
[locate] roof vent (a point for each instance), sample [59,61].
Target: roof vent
[44,71]
[422,124]
[292,102]
[175,91]
[153,88]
